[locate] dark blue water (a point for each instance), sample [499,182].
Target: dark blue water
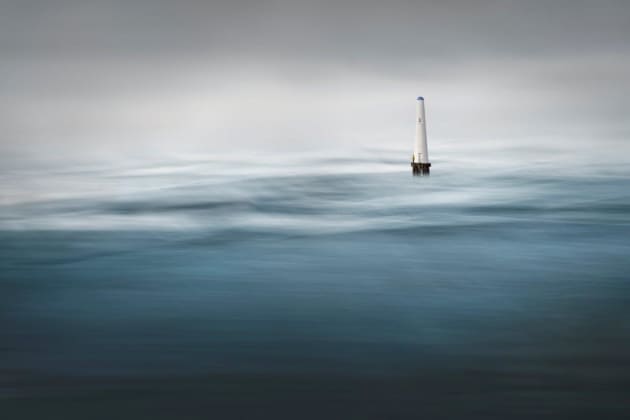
[340,288]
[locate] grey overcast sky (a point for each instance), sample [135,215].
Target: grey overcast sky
[116,77]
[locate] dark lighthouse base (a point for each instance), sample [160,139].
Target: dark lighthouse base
[420,168]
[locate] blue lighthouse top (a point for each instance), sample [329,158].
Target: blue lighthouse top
[420,98]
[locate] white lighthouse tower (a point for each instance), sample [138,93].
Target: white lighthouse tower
[420,162]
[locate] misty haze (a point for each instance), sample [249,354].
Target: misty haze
[207,209]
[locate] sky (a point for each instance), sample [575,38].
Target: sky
[120,78]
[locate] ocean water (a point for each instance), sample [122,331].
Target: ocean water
[315,287]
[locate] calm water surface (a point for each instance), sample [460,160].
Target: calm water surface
[325,287]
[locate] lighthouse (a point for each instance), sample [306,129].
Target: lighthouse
[420,161]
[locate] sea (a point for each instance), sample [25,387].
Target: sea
[316,286]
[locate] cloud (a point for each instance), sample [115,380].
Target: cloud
[125,76]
